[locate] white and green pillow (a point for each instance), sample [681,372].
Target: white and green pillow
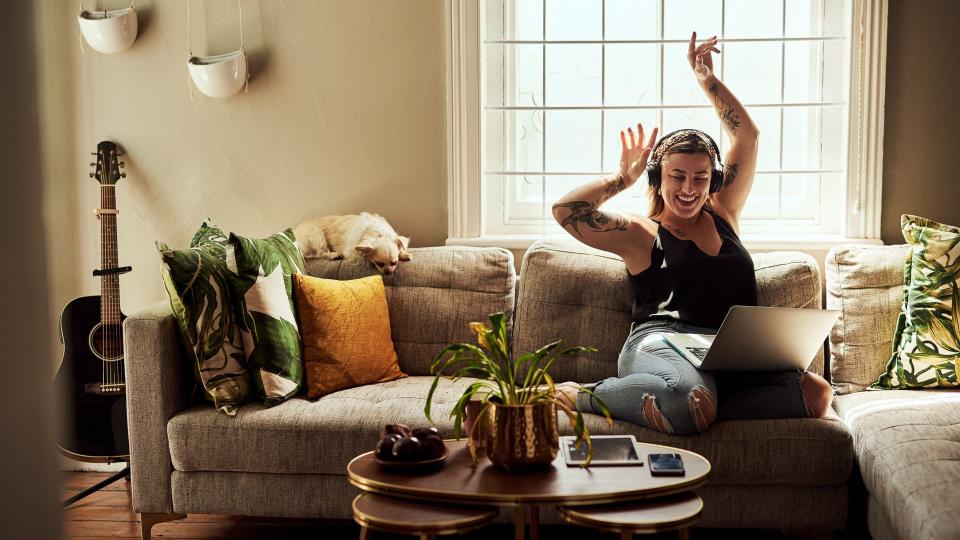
[260,279]
[926,343]
[199,292]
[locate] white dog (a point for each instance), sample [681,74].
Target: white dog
[353,238]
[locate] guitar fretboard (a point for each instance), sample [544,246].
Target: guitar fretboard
[109,284]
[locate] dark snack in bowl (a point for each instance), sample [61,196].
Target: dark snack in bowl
[423,433]
[384,449]
[408,449]
[433,447]
[400,429]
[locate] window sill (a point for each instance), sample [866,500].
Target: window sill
[752,243]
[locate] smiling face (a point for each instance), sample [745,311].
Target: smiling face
[685,183]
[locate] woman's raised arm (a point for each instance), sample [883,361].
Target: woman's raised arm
[578,212]
[740,162]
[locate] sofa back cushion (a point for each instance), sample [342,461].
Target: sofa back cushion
[433,298]
[571,292]
[866,284]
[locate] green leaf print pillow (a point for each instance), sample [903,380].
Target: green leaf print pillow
[926,344]
[196,283]
[262,289]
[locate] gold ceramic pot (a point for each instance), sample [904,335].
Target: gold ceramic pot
[522,436]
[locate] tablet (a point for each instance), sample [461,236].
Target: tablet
[607,450]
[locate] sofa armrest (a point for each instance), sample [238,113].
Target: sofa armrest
[159,383]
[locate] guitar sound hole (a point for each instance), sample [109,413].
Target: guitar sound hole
[106,341]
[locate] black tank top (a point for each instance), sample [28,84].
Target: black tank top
[685,284]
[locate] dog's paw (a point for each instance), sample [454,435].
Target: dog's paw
[331,256]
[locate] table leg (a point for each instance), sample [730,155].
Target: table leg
[520,525]
[684,533]
[626,535]
[534,522]
[428,536]
[365,533]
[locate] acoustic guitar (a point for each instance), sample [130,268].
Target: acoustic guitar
[91,375]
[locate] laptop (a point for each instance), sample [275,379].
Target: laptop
[758,338]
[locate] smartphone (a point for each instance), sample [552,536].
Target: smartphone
[666,464]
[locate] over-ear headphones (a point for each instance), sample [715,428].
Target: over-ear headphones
[674,137]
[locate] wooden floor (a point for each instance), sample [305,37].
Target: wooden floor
[107,514]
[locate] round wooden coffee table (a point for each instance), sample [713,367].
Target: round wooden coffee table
[458,481]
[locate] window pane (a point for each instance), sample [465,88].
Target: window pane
[763,201]
[683,17]
[514,75]
[573,75]
[632,19]
[632,73]
[680,85]
[513,201]
[836,68]
[753,18]
[573,141]
[752,71]
[836,17]
[620,119]
[513,140]
[768,122]
[801,138]
[833,140]
[703,119]
[520,20]
[801,194]
[801,83]
[574,20]
[804,18]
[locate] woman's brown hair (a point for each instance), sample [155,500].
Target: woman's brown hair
[692,146]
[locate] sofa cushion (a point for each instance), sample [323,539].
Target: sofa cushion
[200,297]
[926,344]
[866,284]
[262,288]
[345,327]
[907,443]
[434,297]
[303,437]
[581,295]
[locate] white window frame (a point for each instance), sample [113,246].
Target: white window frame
[865,154]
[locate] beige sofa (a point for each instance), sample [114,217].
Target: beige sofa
[907,442]
[290,460]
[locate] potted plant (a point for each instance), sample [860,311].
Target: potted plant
[518,397]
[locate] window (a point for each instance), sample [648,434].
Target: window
[554,81]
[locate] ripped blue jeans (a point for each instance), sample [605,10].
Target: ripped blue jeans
[659,389]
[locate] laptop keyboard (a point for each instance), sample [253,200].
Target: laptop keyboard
[699,352]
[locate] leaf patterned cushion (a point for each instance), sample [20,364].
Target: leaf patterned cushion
[260,280]
[926,343]
[196,283]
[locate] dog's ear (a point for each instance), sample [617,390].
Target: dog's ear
[364,249]
[402,243]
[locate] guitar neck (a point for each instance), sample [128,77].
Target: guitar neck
[110,283]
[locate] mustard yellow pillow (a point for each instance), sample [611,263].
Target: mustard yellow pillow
[345,328]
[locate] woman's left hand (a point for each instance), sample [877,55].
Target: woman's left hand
[700,58]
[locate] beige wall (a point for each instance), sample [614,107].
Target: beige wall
[345,112]
[921,172]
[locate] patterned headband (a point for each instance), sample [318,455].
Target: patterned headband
[683,135]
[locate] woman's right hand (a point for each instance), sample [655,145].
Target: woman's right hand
[633,160]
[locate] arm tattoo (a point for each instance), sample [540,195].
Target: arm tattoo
[730,173]
[728,115]
[584,212]
[612,187]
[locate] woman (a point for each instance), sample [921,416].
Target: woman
[688,268]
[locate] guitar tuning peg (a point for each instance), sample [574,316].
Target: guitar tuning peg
[119,152]
[93,164]
[122,164]
[93,153]
[123,175]
[92,175]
